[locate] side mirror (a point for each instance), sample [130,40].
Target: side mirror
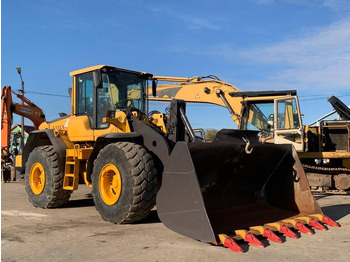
[97,79]
[70,91]
[154,88]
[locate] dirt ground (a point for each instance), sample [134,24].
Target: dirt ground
[76,232]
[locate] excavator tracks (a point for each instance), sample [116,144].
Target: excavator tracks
[271,231]
[340,179]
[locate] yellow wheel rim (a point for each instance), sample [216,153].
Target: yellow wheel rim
[37,178]
[110,184]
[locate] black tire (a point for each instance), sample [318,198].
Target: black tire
[138,182]
[52,194]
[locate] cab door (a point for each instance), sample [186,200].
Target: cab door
[288,128]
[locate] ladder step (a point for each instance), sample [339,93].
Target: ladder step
[70,183]
[68,188]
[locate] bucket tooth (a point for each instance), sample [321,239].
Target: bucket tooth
[325,219]
[282,228]
[302,228]
[272,236]
[249,237]
[228,242]
[298,225]
[265,232]
[311,222]
[330,222]
[316,225]
[287,232]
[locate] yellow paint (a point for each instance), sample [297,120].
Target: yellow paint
[37,178]
[292,222]
[86,181]
[86,70]
[240,234]
[276,226]
[318,217]
[18,161]
[324,155]
[158,120]
[79,129]
[257,230]
[304,219]
[197,90]
[110,184]
[222,238]
[119,121]
[74,159]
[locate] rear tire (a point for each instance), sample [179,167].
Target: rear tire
[44,179]
[124,183]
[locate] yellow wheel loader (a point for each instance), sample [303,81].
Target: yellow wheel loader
[324,150]
[213,192]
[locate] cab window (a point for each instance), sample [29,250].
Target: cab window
[85,86]
[287,114]
[259,116]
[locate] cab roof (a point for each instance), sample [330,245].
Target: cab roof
[97,67]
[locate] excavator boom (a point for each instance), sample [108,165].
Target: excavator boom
[28,110]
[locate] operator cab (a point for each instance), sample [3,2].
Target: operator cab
[275,114]
[104,88]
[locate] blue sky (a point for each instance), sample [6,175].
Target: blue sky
[253,44]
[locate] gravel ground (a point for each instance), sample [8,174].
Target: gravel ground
[76,232]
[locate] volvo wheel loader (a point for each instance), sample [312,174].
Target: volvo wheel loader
[324,150]
[232,189]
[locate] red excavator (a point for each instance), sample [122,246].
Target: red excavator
[8,108]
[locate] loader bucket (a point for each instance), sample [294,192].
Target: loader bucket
[210,189]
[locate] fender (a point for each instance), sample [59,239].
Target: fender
[41,138]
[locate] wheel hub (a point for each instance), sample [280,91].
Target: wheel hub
[37,178]
[110,184]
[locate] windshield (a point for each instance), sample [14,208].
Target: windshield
[120,90]
[123,90]
[259,116]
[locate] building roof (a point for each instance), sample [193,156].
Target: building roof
[27,129]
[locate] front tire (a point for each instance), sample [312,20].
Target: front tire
[44,179]
[124,183]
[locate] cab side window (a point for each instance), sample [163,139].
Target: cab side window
[85,94]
